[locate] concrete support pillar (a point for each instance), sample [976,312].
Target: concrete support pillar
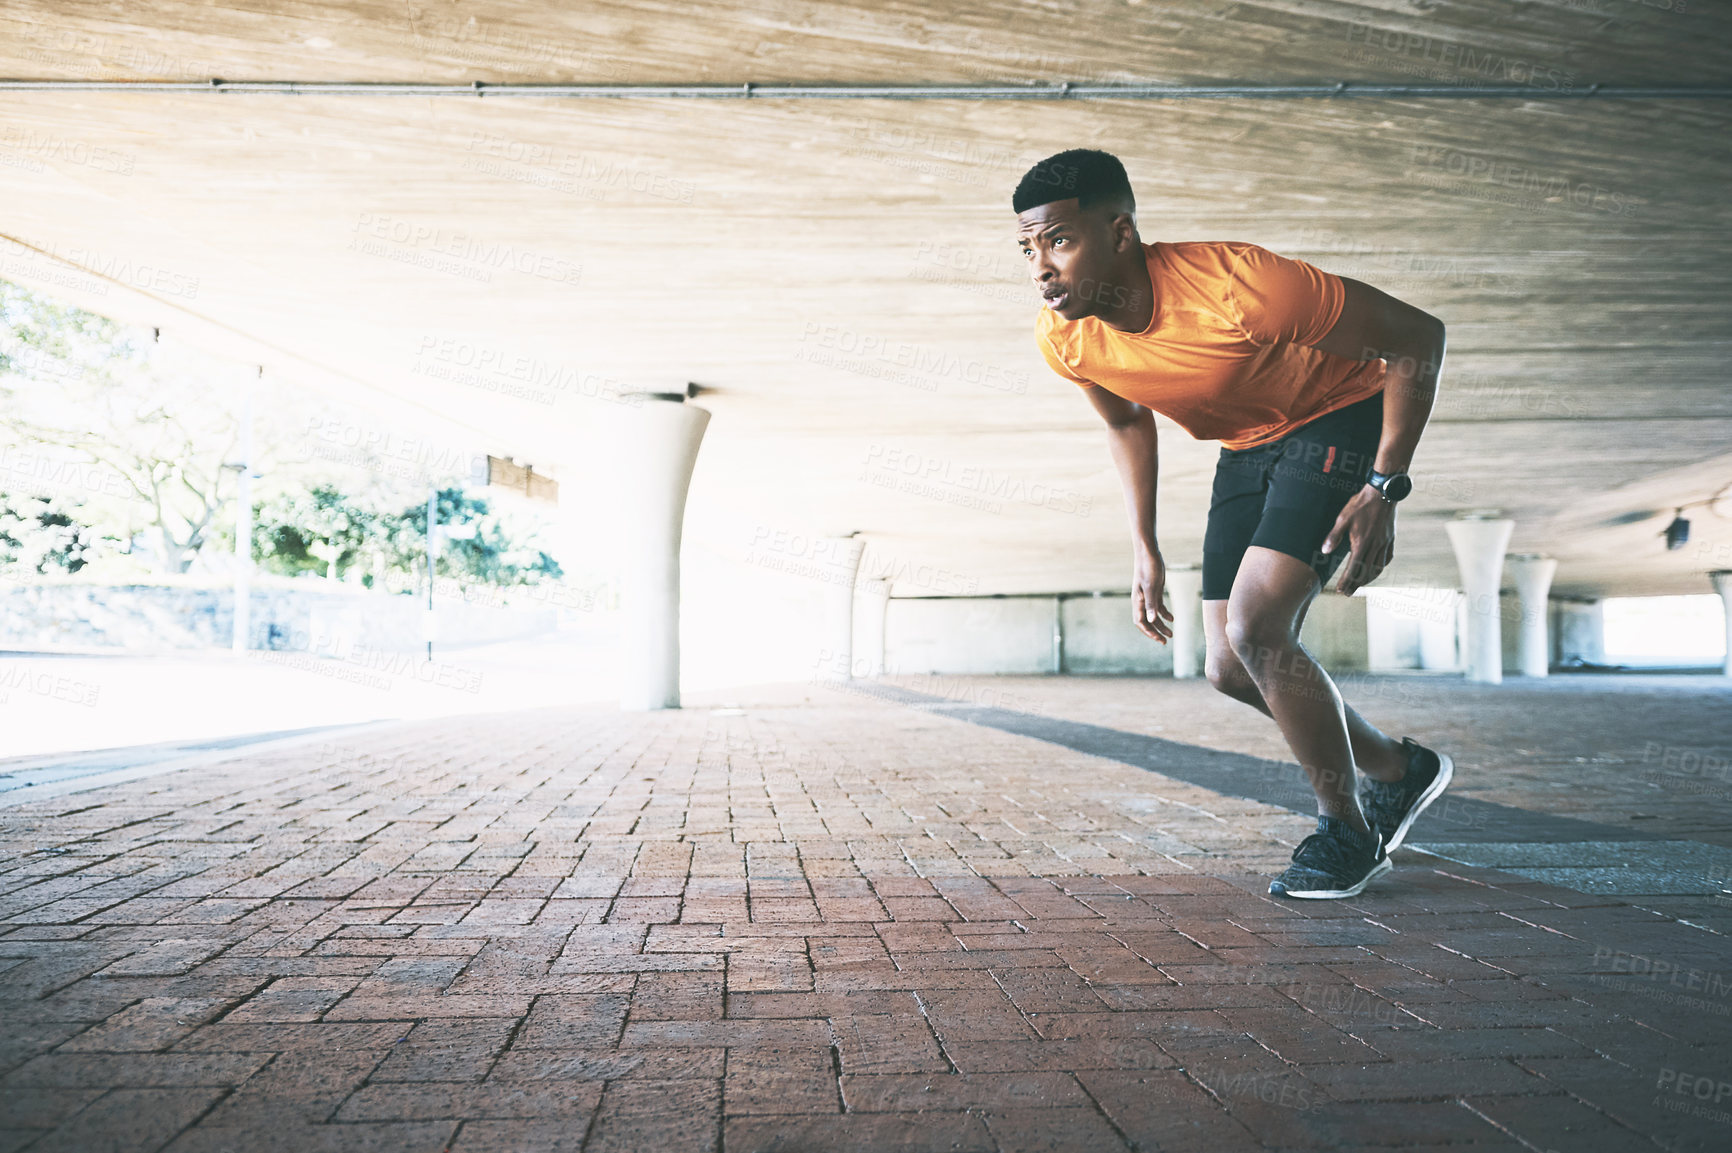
[1580,631]
[659,447]
[1533,581]
[1479,544]
[1185,597]
[1723,585]
[870,609]
[841,566]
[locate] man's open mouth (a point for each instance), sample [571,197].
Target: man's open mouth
[1056,297]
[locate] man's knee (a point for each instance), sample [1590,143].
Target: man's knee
[1258,637]
[1225,672]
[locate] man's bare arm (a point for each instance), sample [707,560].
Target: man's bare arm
[1374,325]
[1132,439]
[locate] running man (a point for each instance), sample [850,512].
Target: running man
[1317,387]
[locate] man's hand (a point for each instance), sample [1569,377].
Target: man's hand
[1147,584]
[1368,523]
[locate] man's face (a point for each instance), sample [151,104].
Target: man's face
[1071,255]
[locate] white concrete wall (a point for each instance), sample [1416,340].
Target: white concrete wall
[309,616]
[1014,635]
[970,635]
[1414,628]
[1578,631]
[1335,632]
[1101,637]
[755,621]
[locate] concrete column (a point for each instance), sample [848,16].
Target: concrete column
[839,558]
[870,609]
[1533,581]
[1581,632]
[1185,594]
[1723,585]
[1479,543]
[658,448]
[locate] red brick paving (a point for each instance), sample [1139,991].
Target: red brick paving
[831,923]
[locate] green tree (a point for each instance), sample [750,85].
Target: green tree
[486,552]
[318,530]
[98,398]
[324,530]
[43,535]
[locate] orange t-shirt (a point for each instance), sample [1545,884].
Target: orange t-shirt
[1226,355]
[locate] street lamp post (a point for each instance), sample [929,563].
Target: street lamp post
[243,616]
[432,549]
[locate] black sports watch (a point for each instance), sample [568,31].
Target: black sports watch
[1391,486]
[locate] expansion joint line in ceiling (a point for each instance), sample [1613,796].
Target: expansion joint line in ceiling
[1061,91]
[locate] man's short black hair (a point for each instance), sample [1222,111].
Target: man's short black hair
[1092,176]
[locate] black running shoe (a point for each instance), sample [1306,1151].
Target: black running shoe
[1335,861]
[1391,807]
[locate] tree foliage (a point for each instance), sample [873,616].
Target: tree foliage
[125,440]
[108,414]
[323,530]
[39,535]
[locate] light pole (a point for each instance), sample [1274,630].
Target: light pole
[243,616]
[432,549]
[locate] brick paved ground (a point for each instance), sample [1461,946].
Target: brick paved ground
[827,922]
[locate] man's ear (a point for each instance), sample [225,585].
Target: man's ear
[1124,226]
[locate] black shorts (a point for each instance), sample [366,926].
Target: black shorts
[1285,495]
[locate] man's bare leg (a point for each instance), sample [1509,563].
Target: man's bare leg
[1269,598]
[1375,754]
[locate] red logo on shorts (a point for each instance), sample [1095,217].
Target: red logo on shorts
[1330,459]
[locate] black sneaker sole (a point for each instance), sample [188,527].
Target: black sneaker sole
[1445,771]
[1381,867]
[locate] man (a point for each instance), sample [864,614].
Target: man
[1318,387]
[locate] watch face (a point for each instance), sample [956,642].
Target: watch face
[1398,486]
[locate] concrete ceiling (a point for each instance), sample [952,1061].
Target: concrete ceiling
[841,274]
